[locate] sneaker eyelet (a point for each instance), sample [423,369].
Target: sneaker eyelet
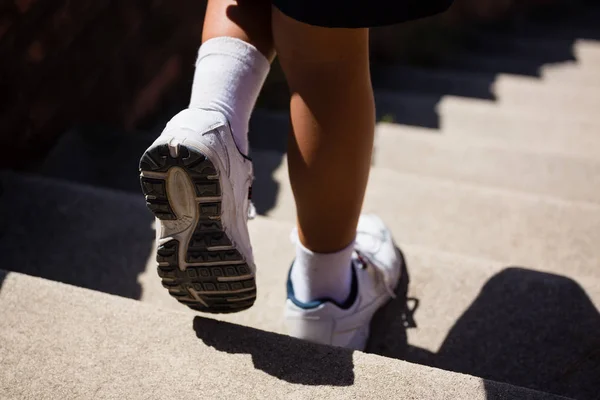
[363,263]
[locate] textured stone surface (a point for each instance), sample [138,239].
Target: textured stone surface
[475,220]
[459,309]
[508,91]
[70,342]
[81,235]
[496,210]
[457,158]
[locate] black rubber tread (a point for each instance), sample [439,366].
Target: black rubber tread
[196,164]
[231,296]
[156,198]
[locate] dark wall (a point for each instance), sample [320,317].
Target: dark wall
[117,62]
[88,60]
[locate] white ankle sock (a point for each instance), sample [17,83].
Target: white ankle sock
[316,276]
[229,76]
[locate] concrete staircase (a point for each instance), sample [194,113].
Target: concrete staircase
[488,172]
[67,342]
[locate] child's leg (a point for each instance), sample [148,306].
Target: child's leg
[332,111]
[248,20]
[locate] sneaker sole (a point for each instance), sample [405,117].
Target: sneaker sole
[210,274]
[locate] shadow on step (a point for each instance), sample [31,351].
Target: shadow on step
[525,328]
[104,157]
[530,329]
[411,95]
[99,156]
[308,364]
[388,327]
[268,135]
[83,236]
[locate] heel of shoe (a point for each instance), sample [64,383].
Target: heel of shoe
[204,271]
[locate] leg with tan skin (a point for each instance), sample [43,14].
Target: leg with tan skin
[247,20]
[347,265]
[196,177]
[332,112]
[329,152]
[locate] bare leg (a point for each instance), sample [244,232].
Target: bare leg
[248,20]
[333,117]
[332,295]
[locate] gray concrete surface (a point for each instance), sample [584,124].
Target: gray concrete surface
[487,173]
[95,238]
[507,90]
[61,341]
[469,219]
[458,310]
[457,158]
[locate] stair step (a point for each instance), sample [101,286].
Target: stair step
[75,341]
[94,238]
[540,49]
[488,123]
[491,196]
[564,72]
[99,157]
[110,159]
[459,311]
[428,110]
[570,73]
[437,213]
[93,248]
[544,232]
[505,90]
[439,155]
[545,159]
[478,125]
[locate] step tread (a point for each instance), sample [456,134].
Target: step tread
[75,341]
[413,104]
[445,283]
[541,49]
[452,216]
[96,238]
[464,218]
[566,177]
[452,291]
[473,124]
[499,86]
[564,71]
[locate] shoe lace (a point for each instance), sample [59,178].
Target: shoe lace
[251,208]
[366,261]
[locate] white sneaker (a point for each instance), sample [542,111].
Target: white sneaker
[377,266]
[197,184]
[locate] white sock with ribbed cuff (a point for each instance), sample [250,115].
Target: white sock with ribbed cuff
[229,76]
[317,276]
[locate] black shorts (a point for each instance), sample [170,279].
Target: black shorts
[359,13]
